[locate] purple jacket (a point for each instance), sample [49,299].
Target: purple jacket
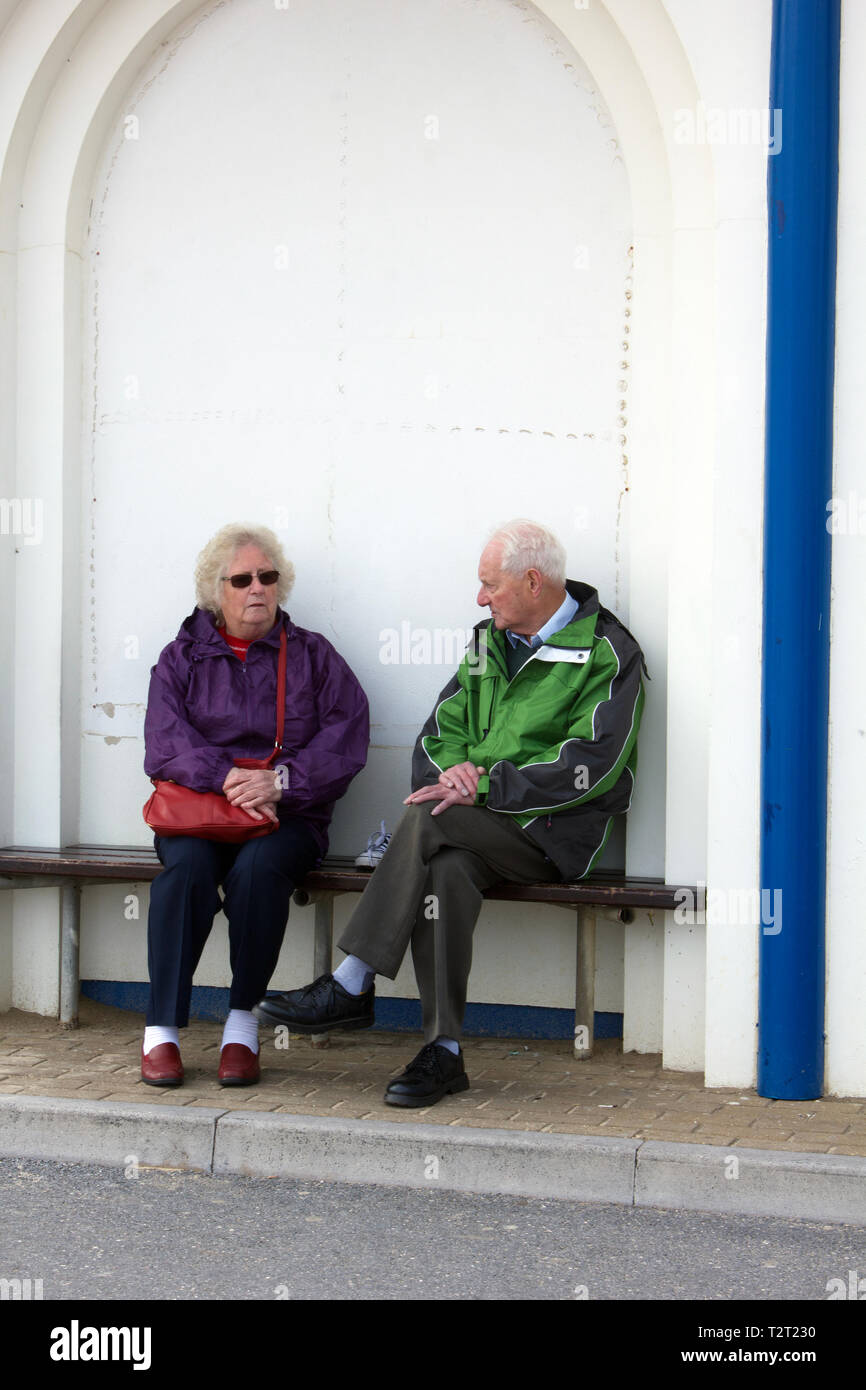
[206,707]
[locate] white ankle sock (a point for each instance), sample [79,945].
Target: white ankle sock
[450,1043]
[355,975]
[156,1034]
[241,1027]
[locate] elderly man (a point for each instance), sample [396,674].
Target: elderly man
[517,775]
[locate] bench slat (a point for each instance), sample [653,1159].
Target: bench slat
[81,861]
[338,875]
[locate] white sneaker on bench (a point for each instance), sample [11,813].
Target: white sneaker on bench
[376,846]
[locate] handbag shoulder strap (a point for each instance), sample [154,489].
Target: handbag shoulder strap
[281,697]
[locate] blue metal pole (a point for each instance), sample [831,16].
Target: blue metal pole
[801,274]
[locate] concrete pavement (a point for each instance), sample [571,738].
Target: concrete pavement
[535,1122]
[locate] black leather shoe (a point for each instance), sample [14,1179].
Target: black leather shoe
[434,1073]
[319,1007]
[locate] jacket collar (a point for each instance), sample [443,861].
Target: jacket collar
[586,596]
[201,629]
[577,633]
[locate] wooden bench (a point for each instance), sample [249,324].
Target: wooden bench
[69,870]
[607,895]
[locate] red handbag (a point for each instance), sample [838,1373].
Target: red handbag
[175,810]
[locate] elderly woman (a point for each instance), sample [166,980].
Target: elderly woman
[213,696]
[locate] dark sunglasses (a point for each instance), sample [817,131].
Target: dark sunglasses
[243,581]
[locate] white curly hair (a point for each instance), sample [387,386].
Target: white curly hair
[214,560]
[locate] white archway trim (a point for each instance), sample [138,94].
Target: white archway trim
[645,77]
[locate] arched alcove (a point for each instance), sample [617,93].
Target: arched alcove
[394,311]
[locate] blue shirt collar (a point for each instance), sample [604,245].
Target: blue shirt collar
[561,618]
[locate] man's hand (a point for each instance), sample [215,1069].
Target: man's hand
[255,790]
[443,795]
[462,778]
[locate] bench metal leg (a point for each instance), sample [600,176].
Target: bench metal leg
[584,1015]
[322,949]
[324,907]
[70,936]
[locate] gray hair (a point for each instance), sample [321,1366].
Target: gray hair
[527,545]
[215,558]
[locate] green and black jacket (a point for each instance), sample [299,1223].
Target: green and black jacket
[558,740]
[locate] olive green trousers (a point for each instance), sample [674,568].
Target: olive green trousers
[428,890]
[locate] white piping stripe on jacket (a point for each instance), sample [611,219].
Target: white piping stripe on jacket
[457,692]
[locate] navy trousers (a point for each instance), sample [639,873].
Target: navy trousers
[257,878]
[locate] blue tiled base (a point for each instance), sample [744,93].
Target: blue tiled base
[392,1015]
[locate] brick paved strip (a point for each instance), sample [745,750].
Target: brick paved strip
[477,1122]
[703,1135]
[821,1125]
[674,1136]
[752,1143]
[839,1108]
[563,1127]
[809,1143]
[635,1118]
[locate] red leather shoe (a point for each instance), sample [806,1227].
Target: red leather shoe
[239,1066]
[162,1065]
